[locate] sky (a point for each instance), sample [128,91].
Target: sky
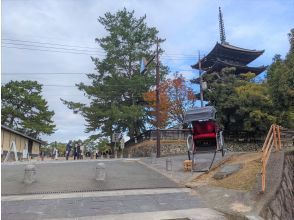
[189,27]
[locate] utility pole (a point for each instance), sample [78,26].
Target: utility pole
[200,76]
[143,69]
[157,101]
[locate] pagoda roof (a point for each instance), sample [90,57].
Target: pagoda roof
[219,65]
[230,53]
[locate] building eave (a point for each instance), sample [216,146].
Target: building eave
[21,134]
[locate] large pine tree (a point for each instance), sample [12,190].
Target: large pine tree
[116,91]
[23,108]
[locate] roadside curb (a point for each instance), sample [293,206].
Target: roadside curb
[162,173]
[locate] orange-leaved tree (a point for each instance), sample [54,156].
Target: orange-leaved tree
[181,98]
[175,98]
[150,98]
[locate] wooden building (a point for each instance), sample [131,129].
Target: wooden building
[24,145]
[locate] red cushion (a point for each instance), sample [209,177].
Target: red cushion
[204,127]
[205,136]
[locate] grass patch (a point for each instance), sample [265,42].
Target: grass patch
[244,179]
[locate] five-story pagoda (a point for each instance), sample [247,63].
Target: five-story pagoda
[225,55]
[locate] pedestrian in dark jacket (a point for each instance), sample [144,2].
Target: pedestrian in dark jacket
[78,151]
[75,152]
[68,149]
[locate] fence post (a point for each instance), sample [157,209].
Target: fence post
[267,137]
[279,137]
[275,136]
[263,177]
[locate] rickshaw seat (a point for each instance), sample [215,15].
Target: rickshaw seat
[205,136]
[204,130]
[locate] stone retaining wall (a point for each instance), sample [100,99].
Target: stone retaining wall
[175,147]
[282,204]
[239,146]
[244,146]
[167,147]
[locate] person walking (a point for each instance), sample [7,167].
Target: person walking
[97,153]
[42,154]
[75,151]
[56,154]
[82,152]
[68,149]
[78,151]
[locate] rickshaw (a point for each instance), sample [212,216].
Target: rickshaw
[205,134]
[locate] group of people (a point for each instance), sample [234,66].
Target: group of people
[78,150]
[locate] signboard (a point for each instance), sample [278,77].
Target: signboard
[204,85]
[116,137]
[122,143]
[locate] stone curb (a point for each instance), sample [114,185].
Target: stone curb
[160,172]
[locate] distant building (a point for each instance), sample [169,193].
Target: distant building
[24,145]
[225,55]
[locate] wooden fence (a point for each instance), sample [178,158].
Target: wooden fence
[273,138]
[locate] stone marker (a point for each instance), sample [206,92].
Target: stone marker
[115,154]
[227,170]
[129,155]
[169,165]
[30,174]
[153,157]
[100,172]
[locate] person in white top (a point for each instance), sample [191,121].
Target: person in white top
[82,152]
[56,153]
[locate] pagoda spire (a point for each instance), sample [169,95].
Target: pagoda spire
[221,27]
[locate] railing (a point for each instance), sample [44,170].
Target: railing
[273,138]
[165,134]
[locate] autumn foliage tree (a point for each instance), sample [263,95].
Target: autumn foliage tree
[150,98]
[175,98]
[181,98]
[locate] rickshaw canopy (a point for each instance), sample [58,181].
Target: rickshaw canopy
[199,114]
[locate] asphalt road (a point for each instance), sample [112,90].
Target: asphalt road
[79,176]
[131,204]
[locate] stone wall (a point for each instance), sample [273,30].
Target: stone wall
[176,147]
[282,204]
[167,147]
[241,146]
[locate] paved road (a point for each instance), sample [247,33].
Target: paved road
[132,190]
[80,176]
[130,204]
